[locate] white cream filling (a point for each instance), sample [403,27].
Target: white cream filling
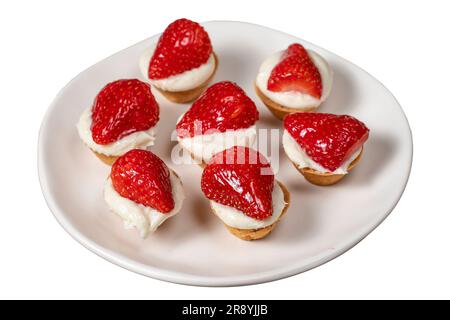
[180,82]
[237,219]
[144,219]
[297,155]
[136,140]
[203,147]
[294,99]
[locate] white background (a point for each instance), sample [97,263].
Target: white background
[405,44]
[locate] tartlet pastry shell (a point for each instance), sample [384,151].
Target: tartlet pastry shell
[109,160]
[255,234]
[325,179]
[278,110]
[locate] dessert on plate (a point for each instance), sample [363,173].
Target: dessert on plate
[323,147]
[122,117]
[294,80]
[182,63]
[243,192]
[222,117]
[143,191]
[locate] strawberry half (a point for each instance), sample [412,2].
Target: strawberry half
[223,106]
[183,46]
[241,178]
[296,72]
[328,139]
[121,108]
[144,178]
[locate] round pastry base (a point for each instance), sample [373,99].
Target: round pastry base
[278,110]
[109,160]
[255,234]
[325,179]
[189,95]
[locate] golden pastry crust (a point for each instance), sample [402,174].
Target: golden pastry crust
[189,95]
[255,234]
[325,179]
[109,160]
[278,110]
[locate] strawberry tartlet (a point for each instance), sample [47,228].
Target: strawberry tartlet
[222,117]
[323,147]
[143,191]
[243,193]
[122,117]
[182,63]
[294,80]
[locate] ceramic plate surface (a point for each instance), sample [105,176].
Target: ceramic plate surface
[194,247]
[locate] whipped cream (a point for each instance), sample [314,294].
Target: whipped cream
[144,219]
[136,140]
[295,99]
[203,147]
[180,82]
[300,158]
[237,219]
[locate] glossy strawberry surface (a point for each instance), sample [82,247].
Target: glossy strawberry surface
[328,139]
[241,178]
[296,72]
[183,46]
[121,108]
[144,178]
[223,106]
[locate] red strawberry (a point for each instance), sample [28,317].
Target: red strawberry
[241,178]
[296,72]
[295,49]
[121,108]
[223,106]
[184,45]
[144,178]
[328,139]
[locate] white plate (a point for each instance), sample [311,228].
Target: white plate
[194,247]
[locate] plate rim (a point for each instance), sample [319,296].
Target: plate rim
[209,281]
